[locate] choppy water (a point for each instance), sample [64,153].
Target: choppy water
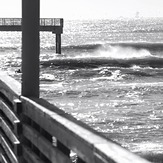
[109,75]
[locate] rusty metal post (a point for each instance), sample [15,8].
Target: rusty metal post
[30,47]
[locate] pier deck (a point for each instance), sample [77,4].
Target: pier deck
[54,25]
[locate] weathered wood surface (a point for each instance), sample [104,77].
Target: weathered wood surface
[30,157]
[2,156]
[88,145]
[8,150]
[8,112]
[3,159]
[46,147]
[9,87]
[11,136]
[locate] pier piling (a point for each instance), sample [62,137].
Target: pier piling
[58,43]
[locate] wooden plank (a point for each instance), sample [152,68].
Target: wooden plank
[9,86]
[2,156]
[64,130]
[76,137]
[116,153]
[8,150]
[18,107]
[8,132]
[8,112]
[18,111]
[30,157]
[52,153]
[3,159]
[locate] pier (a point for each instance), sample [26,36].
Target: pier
[54,25]
[34,131]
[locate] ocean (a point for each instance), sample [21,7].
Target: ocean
[109,75]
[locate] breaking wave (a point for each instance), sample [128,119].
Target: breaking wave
[109,54]
[137,45]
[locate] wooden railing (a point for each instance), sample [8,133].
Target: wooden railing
[35,131]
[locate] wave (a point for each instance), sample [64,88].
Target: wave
[157,46]
[72,47]
[152,62]
[147,30]
[83,46]
[94,46]
[9,47]
[124,54]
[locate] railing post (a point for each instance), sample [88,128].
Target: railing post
[30,47]
[18,129]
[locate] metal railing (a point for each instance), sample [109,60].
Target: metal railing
[51,22]
[43,22]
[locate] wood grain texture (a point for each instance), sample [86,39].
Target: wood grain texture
[8,112]
[88,145]
[8,150]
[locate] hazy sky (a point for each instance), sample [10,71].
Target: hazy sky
[86,9]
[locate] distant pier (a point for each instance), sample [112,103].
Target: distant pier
[54,25]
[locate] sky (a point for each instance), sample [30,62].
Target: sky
[88,9]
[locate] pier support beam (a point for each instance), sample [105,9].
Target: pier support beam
[58,43]
[30,47]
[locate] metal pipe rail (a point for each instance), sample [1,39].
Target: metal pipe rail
[43,22]
[35,131]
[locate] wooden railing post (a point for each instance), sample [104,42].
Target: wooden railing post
[18,129]
[30,47]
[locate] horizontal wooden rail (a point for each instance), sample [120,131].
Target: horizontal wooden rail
[33,130]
